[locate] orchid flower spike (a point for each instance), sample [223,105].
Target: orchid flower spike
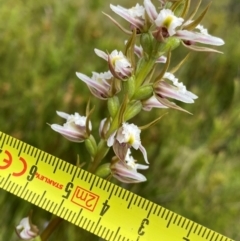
[74,129]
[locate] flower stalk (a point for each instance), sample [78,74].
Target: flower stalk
[102,151]
[53,224]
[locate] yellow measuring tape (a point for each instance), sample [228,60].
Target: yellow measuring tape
[92,203]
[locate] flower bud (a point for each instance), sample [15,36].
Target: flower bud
[103,170]
[91,145]
[130,86]
[113,105]
[170,43]
[132,110]
[146,41]
[104,127]
[144,92]
[102,150]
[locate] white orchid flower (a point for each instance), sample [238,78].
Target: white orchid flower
[119,65]
[128,135]
[135,15]
[99,84]
[26,230]
[75,127]
[126,171]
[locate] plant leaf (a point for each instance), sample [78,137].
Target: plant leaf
[186,8]
[160,76]
[173,70]
[194,24]
[118,24]
[191,16]
[152,123]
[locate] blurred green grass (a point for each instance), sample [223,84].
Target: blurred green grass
[194,160]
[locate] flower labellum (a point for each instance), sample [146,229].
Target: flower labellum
[150,9]
[167,20]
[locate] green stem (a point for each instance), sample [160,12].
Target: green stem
[53,224]
[101,153]
[143,73]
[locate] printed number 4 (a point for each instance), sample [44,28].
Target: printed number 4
[105,207]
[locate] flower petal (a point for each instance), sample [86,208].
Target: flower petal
[199,37]
[152,102]
[200,48]
[101,54]
[71,135]
[125,174]
[150,9]
[111,139]
[124,13]
[92,83]
[63,114]
[170,104]
[143,150]
[120,150]
[166,90]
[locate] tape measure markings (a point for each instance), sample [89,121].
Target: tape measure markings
[115,214]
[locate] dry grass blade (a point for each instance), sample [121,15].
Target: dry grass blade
[175,69]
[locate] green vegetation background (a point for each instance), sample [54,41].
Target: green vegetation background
[195,164]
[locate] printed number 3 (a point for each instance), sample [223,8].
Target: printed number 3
[145,221]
